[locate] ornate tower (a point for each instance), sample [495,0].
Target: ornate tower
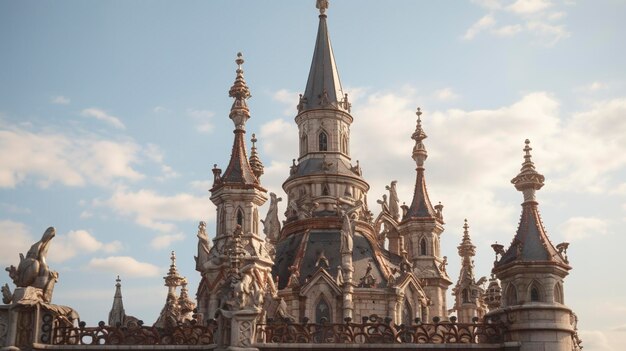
[421,227]
[532,271]
[330,264]
[117,313]
[237,195]
[468,292]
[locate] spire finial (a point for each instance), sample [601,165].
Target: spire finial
[239,112]
[118,280]
[465,229]
[528,180]
[419,151]
[255,161]
[322,5]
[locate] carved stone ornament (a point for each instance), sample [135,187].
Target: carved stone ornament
[33,271]
[271,224]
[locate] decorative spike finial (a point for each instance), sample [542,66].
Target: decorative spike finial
[419,151]
[239,111]
[528,181]
[465,229]
[322,5]
[118,280]
[255,161]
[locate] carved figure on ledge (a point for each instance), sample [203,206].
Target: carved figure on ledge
[271,224]
[394,208]
[33,270]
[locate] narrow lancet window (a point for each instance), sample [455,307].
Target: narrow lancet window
[534,294]
[423,247]
[323,141]
[240,217]
[322,310]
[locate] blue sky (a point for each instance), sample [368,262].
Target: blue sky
[113,113]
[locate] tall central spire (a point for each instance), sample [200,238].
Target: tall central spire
[323,88]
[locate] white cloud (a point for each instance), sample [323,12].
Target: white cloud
[15,238]
[273,137]
[202,118]
[77,242]
[526,7]
[555,16]
[488,4]
[14,209]
[508,31]
[445,94]
[103,116]
[154,153]
[123,265]
[201,185]
[60,100]
[289,99]
[547,34]
[156,211]
[57,158]
[579,228]
[485,22]
[166,240]
[595,86]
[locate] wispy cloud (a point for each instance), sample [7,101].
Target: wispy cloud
[123,265]
[152,210]
[202,118]
[60,100]
[445,94]
[538,18]
[166,240]
[483,23]
[79,242]
[579,228]
[103,116]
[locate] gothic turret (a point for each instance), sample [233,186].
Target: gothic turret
[532,273]
[237,195]
[421,227]
[468,292]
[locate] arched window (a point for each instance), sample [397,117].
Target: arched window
[407,313]
[423,247]
[344,143]
[240,217]
[322,310]
[511,295]
[535,295]
[465,296]
[325,190]
[323,142]
[255,223]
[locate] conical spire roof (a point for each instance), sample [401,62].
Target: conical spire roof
[323,88]
[239,170]
[420,206]
[117,313]
[531,242]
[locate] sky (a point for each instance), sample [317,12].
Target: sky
[113,113]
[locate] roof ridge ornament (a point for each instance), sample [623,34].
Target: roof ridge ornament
[322,5]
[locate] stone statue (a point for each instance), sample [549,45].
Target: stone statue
[203,247]
[33,270]
[271,224]
[294,278]
[339,276]
[7,296]
[383,203]
[394,209]
[346,234]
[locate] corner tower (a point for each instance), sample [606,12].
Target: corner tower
[532,271]
[237,194]
[421,227]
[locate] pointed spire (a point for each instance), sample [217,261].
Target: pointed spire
[531,242]
[420,206]
[117,313]
[467,250]
[255,161]
[323,88]
[239,170]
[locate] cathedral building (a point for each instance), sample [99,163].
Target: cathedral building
[329,270]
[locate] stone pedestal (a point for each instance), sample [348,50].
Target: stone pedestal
[237,330]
